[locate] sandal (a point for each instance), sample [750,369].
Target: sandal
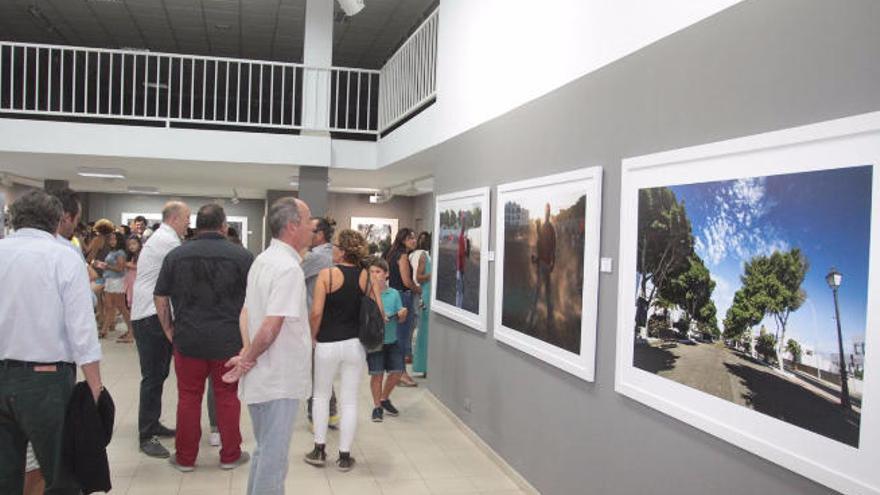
[125,339]
[407,381]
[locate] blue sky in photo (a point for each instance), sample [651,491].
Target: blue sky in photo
[825,213]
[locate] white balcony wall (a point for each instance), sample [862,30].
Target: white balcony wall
[496,55]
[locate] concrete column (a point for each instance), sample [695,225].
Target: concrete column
[318,58]
[313,182]
[54,185]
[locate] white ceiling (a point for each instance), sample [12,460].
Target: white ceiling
[254,29]
[192,178]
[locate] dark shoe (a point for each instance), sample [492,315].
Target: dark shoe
[153,448]
[180,467]
[242,459]
[345,461]
[317,457]
[164,432]
[377,415]
[388,406]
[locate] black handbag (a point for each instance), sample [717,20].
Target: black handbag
[371,322]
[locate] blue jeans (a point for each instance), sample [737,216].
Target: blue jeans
[273,428]
[404,328]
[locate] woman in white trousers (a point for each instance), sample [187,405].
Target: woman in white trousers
[334,321]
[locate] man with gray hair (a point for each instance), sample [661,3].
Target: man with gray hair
[274,370]
[48,328]
[153,344]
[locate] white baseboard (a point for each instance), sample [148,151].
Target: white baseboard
[517,478]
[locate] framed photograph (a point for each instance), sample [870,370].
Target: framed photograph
[239,223]
[379,232]
[748,281]
[547,268]
[461,257]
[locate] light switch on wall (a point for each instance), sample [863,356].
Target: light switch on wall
[605,265]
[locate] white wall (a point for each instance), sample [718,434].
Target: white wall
[495,55]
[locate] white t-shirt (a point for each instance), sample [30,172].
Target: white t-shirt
[276,287]
[414,263]
[148,266]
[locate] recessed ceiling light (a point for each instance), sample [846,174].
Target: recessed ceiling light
[143,189]
[101,173]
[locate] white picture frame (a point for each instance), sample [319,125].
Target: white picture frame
[463,199]
[828,146]
[152,218]
[586,182]
[391,223]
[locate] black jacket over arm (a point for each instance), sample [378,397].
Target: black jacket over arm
[88,428]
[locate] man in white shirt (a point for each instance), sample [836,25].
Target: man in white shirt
[274,370]
[47,327]
[153,345]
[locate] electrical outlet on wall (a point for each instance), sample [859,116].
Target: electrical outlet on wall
[467,404]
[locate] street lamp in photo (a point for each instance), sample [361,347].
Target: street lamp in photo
[834,278]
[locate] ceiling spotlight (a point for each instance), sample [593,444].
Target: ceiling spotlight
[235,199]
[351,7]
[294,180]
[101,173]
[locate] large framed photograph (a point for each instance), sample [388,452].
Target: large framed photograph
[748,283]
[461,260]
[547,268]
[379,232]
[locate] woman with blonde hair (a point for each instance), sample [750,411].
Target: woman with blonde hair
[334,321]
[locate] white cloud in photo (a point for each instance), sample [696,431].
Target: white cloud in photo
[723,294]
[734,226]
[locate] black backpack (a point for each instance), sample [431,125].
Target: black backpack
[371,323]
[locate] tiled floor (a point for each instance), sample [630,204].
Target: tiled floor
[419,452]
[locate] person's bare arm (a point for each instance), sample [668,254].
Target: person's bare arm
[163,311]
[319,297]
[243,328]
[421,274]
[269,330]
[406,274]
[92,373]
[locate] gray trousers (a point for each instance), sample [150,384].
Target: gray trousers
[273,428]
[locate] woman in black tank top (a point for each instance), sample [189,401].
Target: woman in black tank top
[400,277]
[334,321]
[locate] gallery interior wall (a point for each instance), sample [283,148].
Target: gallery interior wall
[344,206]
[112,206]
[759,66]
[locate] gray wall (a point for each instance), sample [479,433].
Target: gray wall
[342,207]
[111,207]
[759,66]
[423,213]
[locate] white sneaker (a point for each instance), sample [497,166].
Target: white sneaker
[214,439]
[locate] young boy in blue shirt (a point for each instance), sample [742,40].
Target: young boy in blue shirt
[388,358]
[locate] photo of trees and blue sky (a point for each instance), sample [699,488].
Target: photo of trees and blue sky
[733,298]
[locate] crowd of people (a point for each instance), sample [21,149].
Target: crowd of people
[271,330]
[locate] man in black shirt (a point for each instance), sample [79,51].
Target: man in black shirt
[205,280]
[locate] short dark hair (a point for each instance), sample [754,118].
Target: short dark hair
[70,201]
[210,217]
[140,218]
[327,226]
[36,209]
[378,262]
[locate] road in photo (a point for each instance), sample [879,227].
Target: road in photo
[544,264]
[738,286]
